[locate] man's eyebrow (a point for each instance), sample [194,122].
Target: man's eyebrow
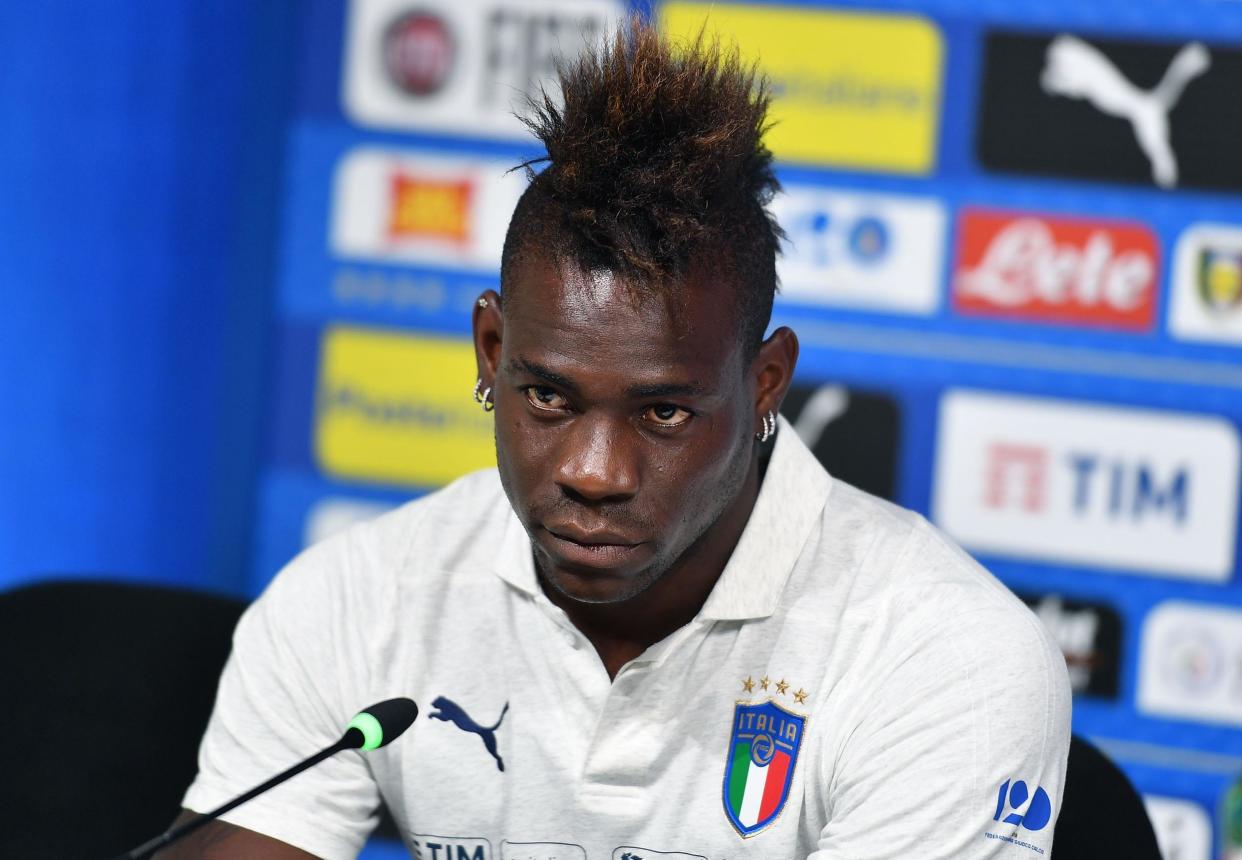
[636,392]
[520,364]
[669,389]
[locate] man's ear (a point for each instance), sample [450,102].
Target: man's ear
[772,370]
[488,325]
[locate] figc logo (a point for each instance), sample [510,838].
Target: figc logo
[1015,802]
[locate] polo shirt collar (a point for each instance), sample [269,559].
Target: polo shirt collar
[793,494]
[791,499]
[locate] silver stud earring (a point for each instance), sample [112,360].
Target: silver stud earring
[769,427]
[482,302]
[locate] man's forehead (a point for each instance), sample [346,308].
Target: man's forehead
[676,314]
[597,328]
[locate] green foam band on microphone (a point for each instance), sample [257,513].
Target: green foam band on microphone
[372,732]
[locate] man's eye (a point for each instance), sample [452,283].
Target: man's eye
[666,415]
[542,397]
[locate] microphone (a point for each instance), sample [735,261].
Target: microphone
[372,728]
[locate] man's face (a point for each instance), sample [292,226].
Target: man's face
[623,429]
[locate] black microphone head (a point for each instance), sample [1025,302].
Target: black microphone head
[380,724]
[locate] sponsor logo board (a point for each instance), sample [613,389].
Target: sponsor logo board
[1190,664]
[838,97]
[1045,268]
[395,408]
[1183,828]
[1206,303]
[1089,635]
[857,249]
[461,68]
[854,434]
[1066,104]
[1140,490]
[401,206]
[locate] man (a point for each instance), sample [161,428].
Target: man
[659,626]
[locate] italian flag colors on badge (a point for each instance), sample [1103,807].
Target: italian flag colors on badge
[763,752]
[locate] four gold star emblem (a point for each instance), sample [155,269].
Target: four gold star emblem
[782,687]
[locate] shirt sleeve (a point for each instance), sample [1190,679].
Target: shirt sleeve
[960,749]
[296,675]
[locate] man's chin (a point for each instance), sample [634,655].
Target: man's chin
[593,586]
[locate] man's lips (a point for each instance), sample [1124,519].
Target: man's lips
[595,548]
[590,536]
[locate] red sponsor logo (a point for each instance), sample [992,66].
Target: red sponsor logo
[427,208]
[1063,270]
[418,53]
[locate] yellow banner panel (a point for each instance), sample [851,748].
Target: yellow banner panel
[850,89]
[396,408]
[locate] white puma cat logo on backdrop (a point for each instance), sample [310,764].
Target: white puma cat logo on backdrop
[1075,69]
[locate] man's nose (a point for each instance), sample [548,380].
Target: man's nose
[598,462]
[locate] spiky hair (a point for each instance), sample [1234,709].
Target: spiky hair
[655,162]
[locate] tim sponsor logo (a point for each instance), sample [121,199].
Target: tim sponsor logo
[461,68]
[855,249]
[1206,304]
[449,848]
[423,208]
[1190,664]
[1060,270]
[1139,490]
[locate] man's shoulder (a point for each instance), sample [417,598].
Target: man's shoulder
[882,561]
[455,528]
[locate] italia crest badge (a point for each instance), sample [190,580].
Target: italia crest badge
[763,752]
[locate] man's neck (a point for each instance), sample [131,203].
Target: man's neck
[620,632]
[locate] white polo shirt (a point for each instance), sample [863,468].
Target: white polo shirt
[854,687]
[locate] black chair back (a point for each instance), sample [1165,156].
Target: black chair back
[1101,813]
[108,688]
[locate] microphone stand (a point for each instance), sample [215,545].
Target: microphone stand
[349,741]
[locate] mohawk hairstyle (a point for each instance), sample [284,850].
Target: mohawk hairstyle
[655,164]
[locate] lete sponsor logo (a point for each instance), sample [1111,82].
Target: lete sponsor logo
[838,98]
[1135,489]
[1183,828]
[462,68]
[1190,664]
[1206,303]
[855,249]
[389,410]
[1054,269]
[422,208]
